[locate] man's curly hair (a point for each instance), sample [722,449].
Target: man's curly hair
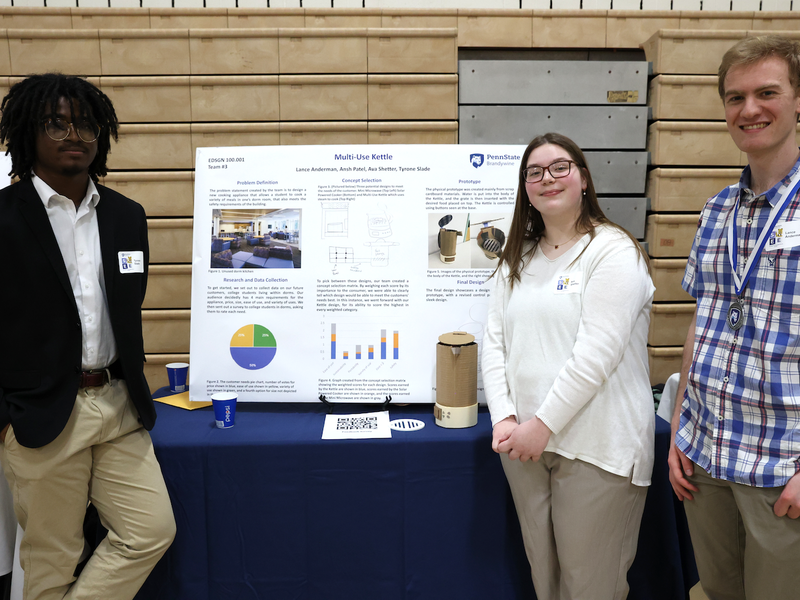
[33,99]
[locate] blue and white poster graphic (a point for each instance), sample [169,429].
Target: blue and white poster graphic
[333,270]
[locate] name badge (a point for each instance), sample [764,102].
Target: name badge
[568,284]
[131,262]
[784,236]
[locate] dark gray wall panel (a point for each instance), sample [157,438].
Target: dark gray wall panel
[591,127]
[630,213]
[618,172]
[550,82]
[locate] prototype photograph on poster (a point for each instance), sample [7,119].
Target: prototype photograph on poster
[489,232]
[459,240]
[256,238]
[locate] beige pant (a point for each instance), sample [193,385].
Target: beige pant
[743,551]
[580,525]
[103,455]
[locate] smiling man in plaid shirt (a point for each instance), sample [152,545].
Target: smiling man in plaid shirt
[736,435]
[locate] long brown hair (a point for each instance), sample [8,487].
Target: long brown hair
[527,225]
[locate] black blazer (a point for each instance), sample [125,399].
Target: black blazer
[40,330]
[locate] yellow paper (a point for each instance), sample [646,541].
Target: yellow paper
[182,401]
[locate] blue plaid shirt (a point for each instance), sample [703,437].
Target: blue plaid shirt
[740,418]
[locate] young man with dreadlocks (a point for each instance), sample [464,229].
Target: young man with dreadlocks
[74,404]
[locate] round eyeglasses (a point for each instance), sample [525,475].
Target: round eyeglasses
[57,129]
[557,170]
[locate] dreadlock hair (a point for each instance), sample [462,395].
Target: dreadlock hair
[527,225]
[34,99]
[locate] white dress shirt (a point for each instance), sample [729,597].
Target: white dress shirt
[78,238]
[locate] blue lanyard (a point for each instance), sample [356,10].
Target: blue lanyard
[774,216]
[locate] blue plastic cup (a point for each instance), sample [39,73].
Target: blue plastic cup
[224,409]
[177,373]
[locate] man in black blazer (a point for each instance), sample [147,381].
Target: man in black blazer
[74,404]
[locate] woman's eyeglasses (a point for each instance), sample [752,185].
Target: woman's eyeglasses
[557,170]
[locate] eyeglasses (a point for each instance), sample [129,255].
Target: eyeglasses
[57,129]
[557,170]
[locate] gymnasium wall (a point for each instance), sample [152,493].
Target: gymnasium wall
[224,76]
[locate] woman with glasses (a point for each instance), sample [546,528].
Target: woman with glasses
[566,377]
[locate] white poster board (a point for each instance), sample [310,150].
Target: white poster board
[317,269]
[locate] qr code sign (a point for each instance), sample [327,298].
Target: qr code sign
[365,423]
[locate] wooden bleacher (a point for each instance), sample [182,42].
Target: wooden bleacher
[183,78]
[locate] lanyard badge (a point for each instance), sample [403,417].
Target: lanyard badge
[735,316]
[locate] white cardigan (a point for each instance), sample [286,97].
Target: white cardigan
[569,345]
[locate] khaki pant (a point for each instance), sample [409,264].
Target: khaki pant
[580,525]
[743,551]
[103,455]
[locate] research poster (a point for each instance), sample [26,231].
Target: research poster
[333,270]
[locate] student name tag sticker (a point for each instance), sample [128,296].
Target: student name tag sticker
[568,284]
[786,235]
[131,262]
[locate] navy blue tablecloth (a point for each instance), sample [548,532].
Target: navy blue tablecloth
[268,510]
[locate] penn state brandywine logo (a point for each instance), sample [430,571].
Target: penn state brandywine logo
[476,160]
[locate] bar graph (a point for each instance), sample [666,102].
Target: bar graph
[359,335]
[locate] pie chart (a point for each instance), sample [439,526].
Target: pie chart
[253,347]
